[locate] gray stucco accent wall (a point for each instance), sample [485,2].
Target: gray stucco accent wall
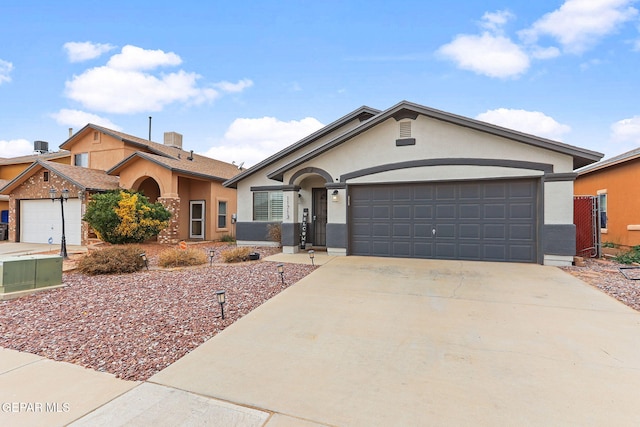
[559,239]
[252,231]
[290,234]
[336,235]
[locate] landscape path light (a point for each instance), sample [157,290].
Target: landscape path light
[143,256]
[211,253]
[281,271]
[63,197]
[221,300]
[312,255]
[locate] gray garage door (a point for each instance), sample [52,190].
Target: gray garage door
[482,220]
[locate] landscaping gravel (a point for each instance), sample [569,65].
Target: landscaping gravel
[134,325]
[606,276]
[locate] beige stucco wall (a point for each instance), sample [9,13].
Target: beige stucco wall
[104,152]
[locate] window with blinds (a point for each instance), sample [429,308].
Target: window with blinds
[267,206]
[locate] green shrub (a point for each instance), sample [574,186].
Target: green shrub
[608,245]
[122,216]
[181,257]
[112,260]
[236,254]
[629,257]
[228,238]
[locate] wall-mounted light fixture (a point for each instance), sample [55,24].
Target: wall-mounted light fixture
[221,300]
[334,196]
[312,255]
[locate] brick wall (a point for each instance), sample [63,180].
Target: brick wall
[170,234]
[35,187]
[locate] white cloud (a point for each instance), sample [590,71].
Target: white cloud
[494,21]
[234,87]
[78,119]
[531,122]
[253,140]
[491,53]
[15,148]
[493,56]
[626,130]
[83,51]
[579,24]
[5,71]
[136,58]
[127,84]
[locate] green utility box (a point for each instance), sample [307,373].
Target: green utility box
[29,272]
[48,270]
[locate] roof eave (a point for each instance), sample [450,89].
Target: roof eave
[361,111]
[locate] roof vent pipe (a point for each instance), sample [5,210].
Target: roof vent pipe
[149,128]
[70,132]
[190,156]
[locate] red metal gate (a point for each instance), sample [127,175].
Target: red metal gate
[585,218]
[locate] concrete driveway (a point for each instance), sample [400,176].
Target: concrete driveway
[20,248]
[396,342]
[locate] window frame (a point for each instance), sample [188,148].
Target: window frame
[603,210]
[224,215]
[82,156]
[274,201]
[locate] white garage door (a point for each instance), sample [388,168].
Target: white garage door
[42,219]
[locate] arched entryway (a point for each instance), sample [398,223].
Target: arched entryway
[312,204]
[149,187]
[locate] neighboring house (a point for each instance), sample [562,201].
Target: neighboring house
[187,184]
[613,181]
[12,167]
[416,182]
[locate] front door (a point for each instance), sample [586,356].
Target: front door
[196,219]
[319,217]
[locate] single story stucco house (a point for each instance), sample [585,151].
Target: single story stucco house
[412,181]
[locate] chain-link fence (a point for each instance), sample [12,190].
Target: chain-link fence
[585,218]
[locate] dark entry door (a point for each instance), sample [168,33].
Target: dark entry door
[319,217]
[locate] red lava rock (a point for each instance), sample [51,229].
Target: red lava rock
[134,325]
[604,275]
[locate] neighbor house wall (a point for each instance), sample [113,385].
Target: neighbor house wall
[623,210]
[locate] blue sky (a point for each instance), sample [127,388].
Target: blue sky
[241,80]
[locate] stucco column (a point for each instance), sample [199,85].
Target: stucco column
[337,239]
[170,234]
[290,225]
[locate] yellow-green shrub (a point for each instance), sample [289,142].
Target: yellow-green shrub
[181,258]
[236,254]
[112,260]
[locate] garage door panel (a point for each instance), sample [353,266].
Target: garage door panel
[470,251]
[495,231]
[41,220]
[423,212]
[485,220]
[402,231]
[401,212]
[381,230]
[470,211]
[521,232]
[495,252]
[362,212]
[469,231]
[495,211]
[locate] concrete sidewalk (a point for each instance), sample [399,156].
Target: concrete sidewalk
[373,341]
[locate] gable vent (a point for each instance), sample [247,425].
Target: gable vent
[405,130]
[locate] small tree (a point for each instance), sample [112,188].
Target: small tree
[123,216]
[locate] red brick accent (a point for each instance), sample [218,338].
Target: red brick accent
[170,234]
[36,188]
